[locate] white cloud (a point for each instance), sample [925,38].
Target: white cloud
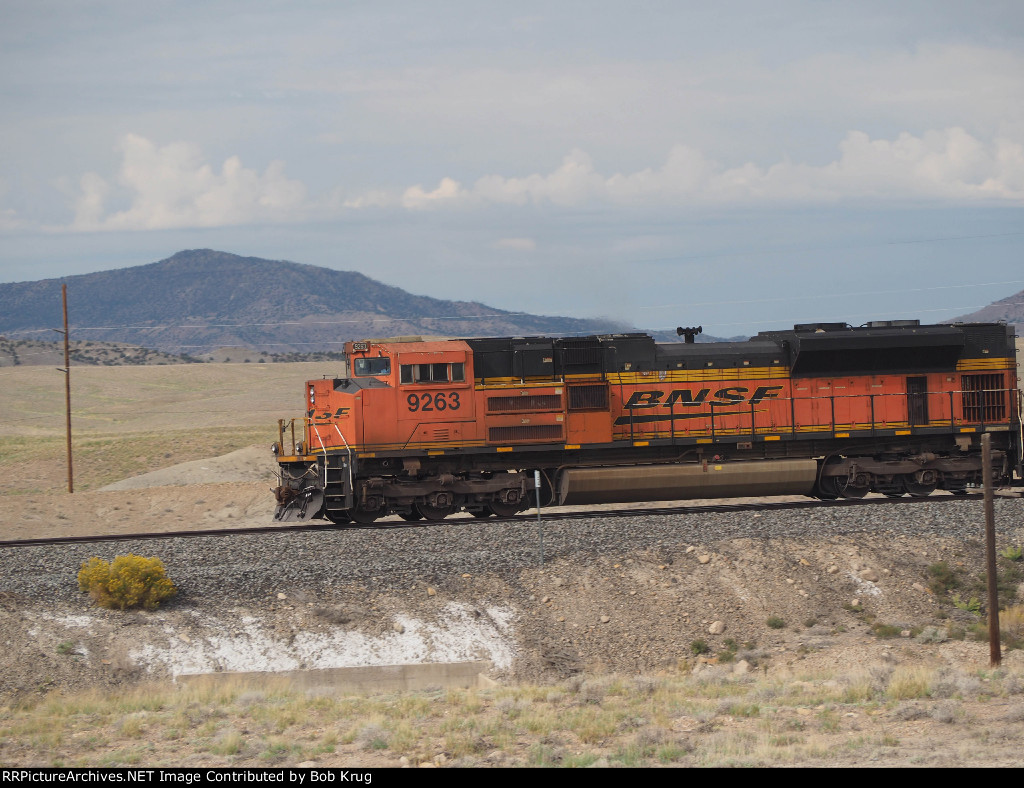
[9,219]
[516,244]
[171,186]
[447,191]
[948,165]
[89,203]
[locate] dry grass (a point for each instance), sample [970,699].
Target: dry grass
[1011,622]
[130,420]
[819,720]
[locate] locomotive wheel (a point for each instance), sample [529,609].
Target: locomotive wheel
[842,487]
[337,516]
[411,516]
[435,512]
[364,516]
[828,488]
[918,489]
[503,509]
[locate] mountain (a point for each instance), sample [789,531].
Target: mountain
[202,299]
[1009,310]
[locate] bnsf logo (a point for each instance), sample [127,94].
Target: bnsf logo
[732,395]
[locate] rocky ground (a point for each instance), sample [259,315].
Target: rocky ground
[784,594]
[769,589]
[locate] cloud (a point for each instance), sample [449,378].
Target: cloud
[171,186]
[446,192]
[516,244]
[948,165]
[9,219]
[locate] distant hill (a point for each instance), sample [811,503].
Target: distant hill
[200,300]
[1008,310]
[31,352]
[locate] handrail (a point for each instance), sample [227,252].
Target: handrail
[323,448]
[877,401]
[351,480]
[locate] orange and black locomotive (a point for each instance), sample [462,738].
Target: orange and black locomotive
[425,429]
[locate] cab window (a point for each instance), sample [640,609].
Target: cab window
[364,367]
[433,373]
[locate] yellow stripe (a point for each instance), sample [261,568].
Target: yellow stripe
[969,364]
[698,375]
[529,383]
[641,443]
[772,437]
[504,448]
[572,446]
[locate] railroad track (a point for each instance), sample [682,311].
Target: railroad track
[548,515]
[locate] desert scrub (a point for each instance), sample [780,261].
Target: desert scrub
[883,631]
[942,578]
[129,581]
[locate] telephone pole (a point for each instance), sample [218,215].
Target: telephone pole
[67,381]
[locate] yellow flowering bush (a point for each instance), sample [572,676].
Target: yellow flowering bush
[129,581]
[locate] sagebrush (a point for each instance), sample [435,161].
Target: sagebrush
[128,581]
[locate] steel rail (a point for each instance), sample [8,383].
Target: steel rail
[549,516]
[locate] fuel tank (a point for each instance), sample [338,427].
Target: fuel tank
[678,482]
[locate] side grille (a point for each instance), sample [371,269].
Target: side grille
[527,432]
[519,404]
[588,397]
[984,398]
[581,353]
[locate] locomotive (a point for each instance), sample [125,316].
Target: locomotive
[423,429]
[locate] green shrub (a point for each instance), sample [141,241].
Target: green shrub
[774,622]
[971,605]
[885,630]
[130,581]
[699,647]
[942,578]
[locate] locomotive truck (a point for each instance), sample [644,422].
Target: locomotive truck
[423,429]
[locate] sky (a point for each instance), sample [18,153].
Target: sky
[740,165]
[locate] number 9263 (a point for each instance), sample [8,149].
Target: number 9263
[429,401]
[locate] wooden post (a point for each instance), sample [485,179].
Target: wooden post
[67,384]
[994,653]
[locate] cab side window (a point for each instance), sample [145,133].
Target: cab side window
[433,373]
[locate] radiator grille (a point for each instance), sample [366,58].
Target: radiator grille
[519,404]
[984,398]
[588,397]
[525,433]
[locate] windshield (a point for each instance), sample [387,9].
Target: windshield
[371,366]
